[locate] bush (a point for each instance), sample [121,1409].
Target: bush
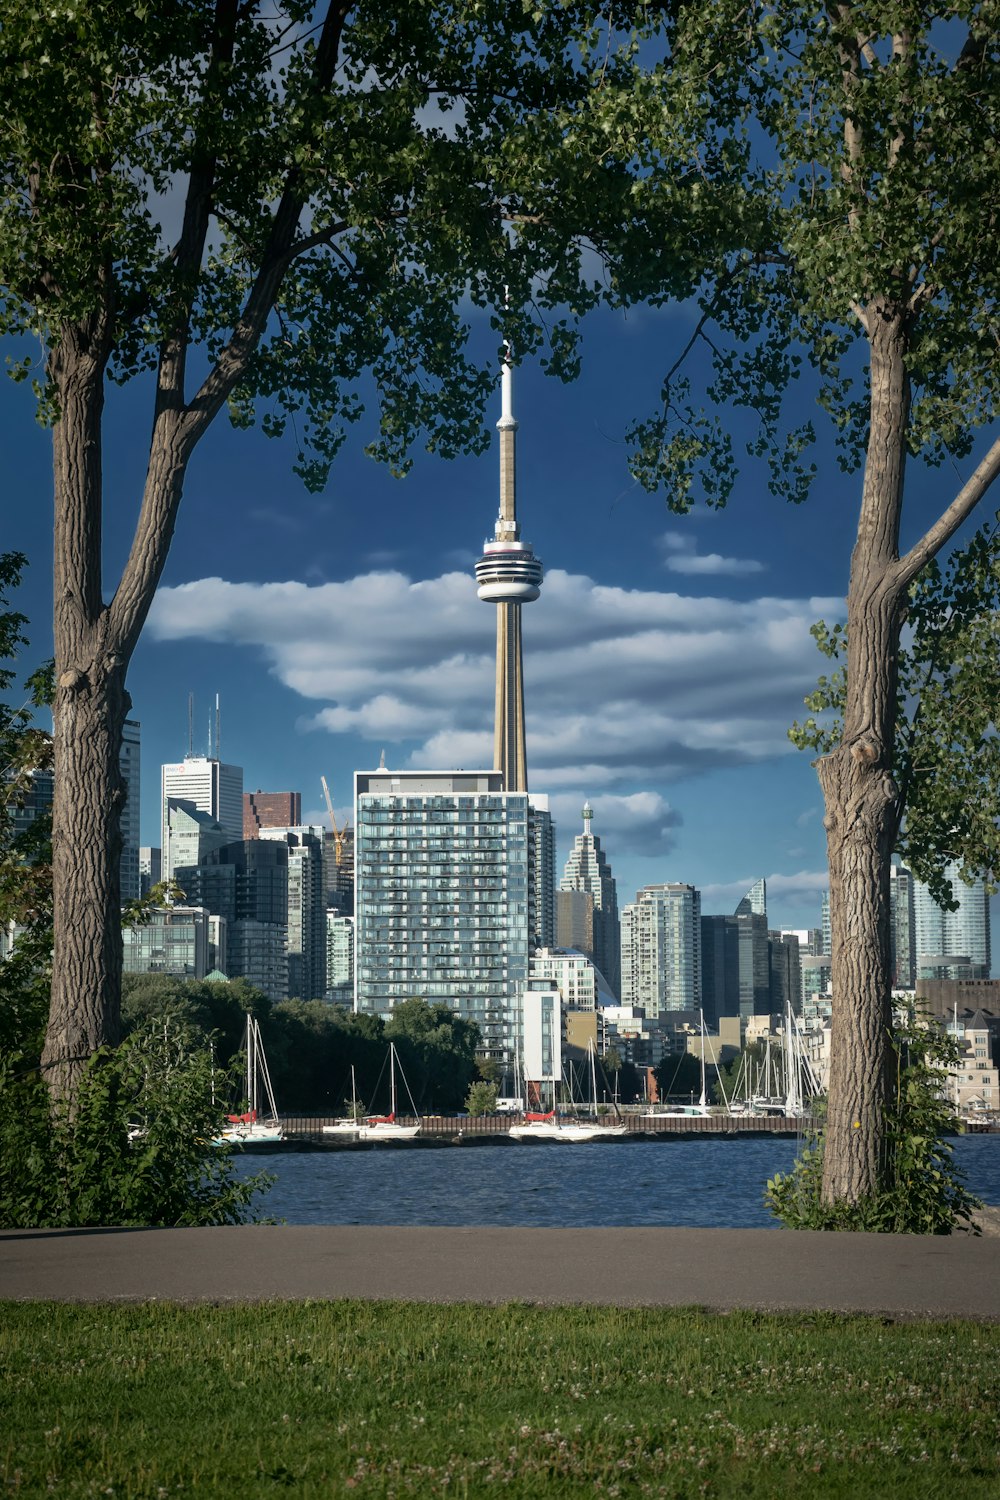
[136,1148]
[481,1099]
[923,1189]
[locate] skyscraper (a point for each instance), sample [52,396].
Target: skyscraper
[755,900]
[210,786]
[306,930]
[952,944]
[587,869]
[661,949]
[442,873]
[901,928]
[509,575]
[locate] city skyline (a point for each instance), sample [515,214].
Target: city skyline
[665,659]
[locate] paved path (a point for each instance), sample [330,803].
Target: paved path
[896,1275]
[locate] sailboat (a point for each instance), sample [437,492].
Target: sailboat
[376,1127]
[252,1128]
[549,1126]
[702,1109]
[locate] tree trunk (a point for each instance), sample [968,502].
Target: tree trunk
[862,810]
[88,714]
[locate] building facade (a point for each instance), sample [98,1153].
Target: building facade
[305,941]
[661,949]
[587,870]
[442,871]
[130,883]
[174,941]
[270,810]
[208,785]
[952,944]
[339,958]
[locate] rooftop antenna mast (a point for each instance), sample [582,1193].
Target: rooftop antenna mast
[190,724]
[218,729]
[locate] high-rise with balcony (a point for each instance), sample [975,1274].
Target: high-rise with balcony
[952,944]
[442,873]
[587,870]
[661,949]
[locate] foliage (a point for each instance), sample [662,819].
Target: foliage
[947,751]
[924,1191]
[437,1048]
[481,1099]
[678,1075]
[137,1150]
[25,857]
[336,1398]
[751,1058]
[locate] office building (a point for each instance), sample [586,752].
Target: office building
[587,870]
[785,965]
[246,882]
[442,872]
[735,965]
[754,903]
[575,920]
[270,810]
[542,877]
[952,944]
[207,785]
[305,941]
[661,949]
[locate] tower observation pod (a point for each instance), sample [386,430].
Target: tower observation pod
[508,575]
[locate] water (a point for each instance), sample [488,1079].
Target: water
[690,1182]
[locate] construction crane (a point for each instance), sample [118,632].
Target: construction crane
[339,834]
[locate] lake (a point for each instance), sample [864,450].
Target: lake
[692,1182]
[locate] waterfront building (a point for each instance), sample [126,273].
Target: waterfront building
[305,931]
[270,810]
[975,1080]
[661,949]
[442,872]
[587,870]
[541,1041]
[208,785]
[952,944]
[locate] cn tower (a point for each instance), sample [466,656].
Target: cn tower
[509,575]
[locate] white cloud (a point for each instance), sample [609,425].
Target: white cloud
[785,888]
[682,556]
[624,687]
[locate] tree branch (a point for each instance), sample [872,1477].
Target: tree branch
[960,508]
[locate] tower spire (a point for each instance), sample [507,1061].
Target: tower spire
[509,575]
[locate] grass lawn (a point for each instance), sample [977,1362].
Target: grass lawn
[398,1399]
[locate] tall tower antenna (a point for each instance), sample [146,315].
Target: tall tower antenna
[509,575]
[218,729]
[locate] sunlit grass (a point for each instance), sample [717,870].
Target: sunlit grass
[394,1400]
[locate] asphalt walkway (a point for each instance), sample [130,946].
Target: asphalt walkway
[899,1276]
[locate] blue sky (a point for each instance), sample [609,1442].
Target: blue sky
[664,660]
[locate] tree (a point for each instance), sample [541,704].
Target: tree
[481,1098]
[342,177]
[864,137]
[438,1050]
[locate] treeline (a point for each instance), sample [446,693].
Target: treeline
[311,1047]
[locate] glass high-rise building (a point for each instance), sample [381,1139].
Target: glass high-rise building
[587,869]
[442,869]
[902,932]
[130,884]
[661,949]
[952,944]
[210,786]
[306,929]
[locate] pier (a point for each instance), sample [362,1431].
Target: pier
[305,1132]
